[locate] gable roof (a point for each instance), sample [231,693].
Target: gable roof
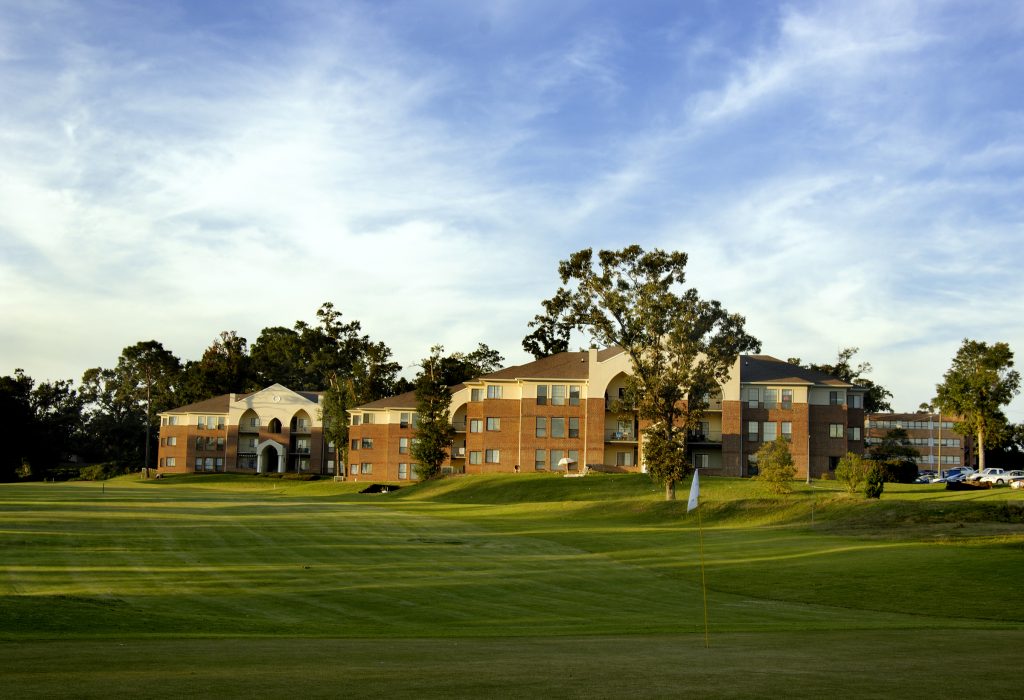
[217,404]
[765,368]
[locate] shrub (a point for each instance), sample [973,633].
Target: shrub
[102,471]
[852,471]
[875,482]
[775,465]
[900,471]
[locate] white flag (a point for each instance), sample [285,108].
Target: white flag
[694,492]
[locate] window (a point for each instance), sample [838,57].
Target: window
[493,391]
[558,395]
[856,401]
[475,457]
[220,464]
[752,430]
[493,424]
[853,433]
[209,464]
[768,431]
[274,426]
[355,444]
[574,395]
[787,398]
[403,446]
[476,425]
[403,420]
[542,426]
[211,444]
[366,468]
[220,443]
[787,430]
[492,456]
[624,459]
[700,461]
[171,461]
[403,470]
[354,469]
[357,420]
[540,460]
[415,420]
[172,420]
[367,443]
[199,464]
[542,394]
[200,443]
[476,394]
[414,471]
[574,427]
[558,427]
[835,430]
[556,459]
[835,398]
[201,422]
[367,419]
[574,459]
[753,397]
[172,441]
[770,397]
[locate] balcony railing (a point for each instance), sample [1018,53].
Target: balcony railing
[619,436]
[301,430]
[248,428]
[459,425]
[697,436]
[458,453]
[300,450]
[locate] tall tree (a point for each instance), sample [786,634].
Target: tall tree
[223,368]
[876,396]
[775,465]
[128,397]
[977,386]
[339,396]
[17,417]
[459,366]
[550,334]
[435,433]
[680,346]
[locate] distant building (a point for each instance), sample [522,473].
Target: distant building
[561,413]
[272,430]
[939,446]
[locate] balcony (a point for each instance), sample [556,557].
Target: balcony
[301,430]
[300,450]
[619,436]
[458,453]
[249,429]
[704,437]
[459,426]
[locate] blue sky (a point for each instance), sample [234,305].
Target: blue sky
[840,173]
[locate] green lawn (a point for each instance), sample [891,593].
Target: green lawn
[504,586]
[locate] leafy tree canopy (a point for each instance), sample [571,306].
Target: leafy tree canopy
[775,465]
[551,331]
[435,434]
[680,346]
[979,383]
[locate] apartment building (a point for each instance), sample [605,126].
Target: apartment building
[562,413]
[936,439]
[272,430]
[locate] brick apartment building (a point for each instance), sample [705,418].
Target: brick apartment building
[936,442]
[559,413]
[272,430]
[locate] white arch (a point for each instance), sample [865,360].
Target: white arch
[261,465]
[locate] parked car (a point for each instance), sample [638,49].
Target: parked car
[954,475]
[989,474]
[1018,484]
[1015,475]
[925,477]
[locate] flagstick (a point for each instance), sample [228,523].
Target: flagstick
[703,583]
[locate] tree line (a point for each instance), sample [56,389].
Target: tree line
[680,346]
[112,415]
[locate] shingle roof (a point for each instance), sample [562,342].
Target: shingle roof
[218,404]
[564,365]
[765,368]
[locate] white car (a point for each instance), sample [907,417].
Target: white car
[1015,477]
[989,475]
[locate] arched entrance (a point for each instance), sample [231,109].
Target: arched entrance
[271,458]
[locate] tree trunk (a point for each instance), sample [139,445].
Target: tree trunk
[670,490]
[981,450]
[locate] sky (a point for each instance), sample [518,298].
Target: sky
[840,173]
